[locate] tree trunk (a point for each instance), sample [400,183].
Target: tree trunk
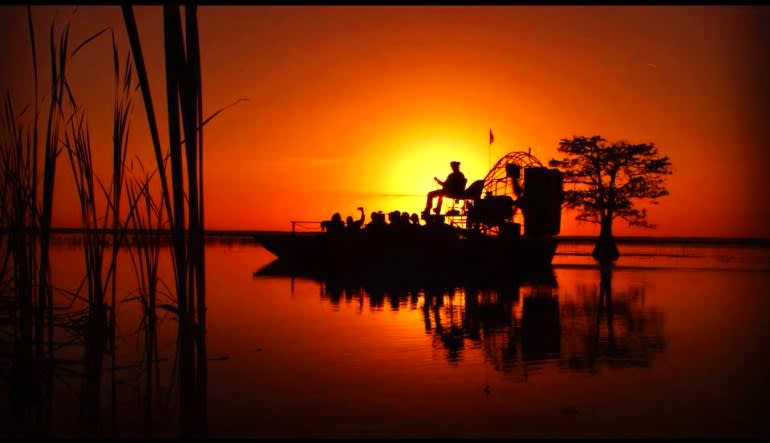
[606,251]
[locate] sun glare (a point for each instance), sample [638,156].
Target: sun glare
[420,160]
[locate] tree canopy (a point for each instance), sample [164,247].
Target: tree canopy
[609,179]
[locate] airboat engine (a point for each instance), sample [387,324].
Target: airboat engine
[541,203]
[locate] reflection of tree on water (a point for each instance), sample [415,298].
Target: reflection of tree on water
[603,328]
[521,327]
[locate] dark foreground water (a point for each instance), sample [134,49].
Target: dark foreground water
[674,343]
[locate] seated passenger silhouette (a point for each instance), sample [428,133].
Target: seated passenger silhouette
[376,223]
[355,225]
[453,186]
[333,226]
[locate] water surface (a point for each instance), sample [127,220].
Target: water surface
[676,346]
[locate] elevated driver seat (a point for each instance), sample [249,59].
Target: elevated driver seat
[473,193]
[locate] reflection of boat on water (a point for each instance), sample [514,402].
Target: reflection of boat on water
[522,325]
[477,234]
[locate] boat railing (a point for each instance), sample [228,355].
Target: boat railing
[305,226]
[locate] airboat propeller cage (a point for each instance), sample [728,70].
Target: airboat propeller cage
[539,197]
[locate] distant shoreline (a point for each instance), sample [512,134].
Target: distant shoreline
[565,239]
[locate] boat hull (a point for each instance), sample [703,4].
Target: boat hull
[434,254]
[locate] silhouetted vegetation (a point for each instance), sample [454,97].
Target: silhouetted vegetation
[26,218]
[145,254]
[608,180]
[184,202]
[115,213]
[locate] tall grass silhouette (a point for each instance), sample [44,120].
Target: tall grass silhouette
[100,264]
[147,223]
[26,223]
[184,201]
[121,212]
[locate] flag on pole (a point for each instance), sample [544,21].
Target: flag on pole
[489,149]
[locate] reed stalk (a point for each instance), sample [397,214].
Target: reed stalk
[16,168]
[96,328]
[194,121]
[26,217]
[184,99]
[101,322]
[120,131]
[27,221]
[147,221]
[51,152]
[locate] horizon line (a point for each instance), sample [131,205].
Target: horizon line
[568,238]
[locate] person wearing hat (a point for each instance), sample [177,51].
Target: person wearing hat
[454,185]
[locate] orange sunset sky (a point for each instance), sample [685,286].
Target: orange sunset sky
[362,106]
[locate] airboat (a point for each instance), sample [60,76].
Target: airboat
[505,224]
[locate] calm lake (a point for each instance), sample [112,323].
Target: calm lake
[677,348]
